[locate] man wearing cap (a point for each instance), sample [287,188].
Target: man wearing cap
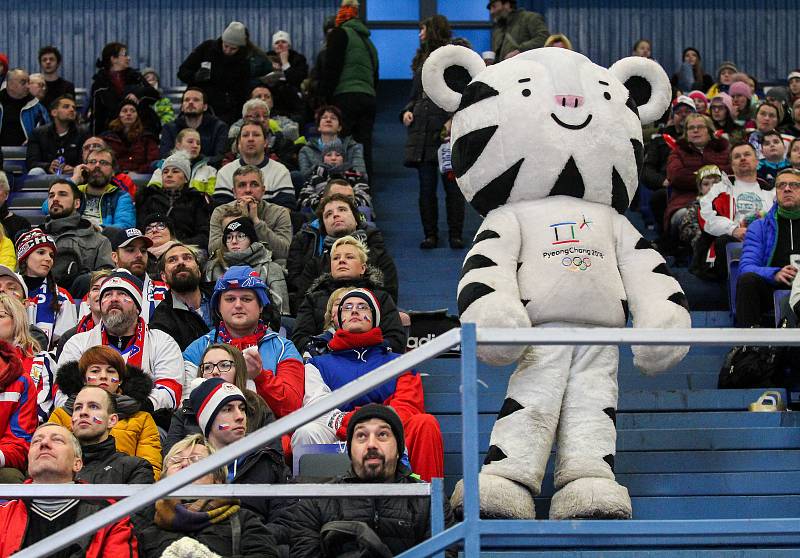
[220,408]
[185,312]
[375,443]
[194,114]
[221,69]
[189,209]
[94,414]
[122,328]
[292,63]
[81,248]
[515,30]
[356,349]
[130,253]
[273,362]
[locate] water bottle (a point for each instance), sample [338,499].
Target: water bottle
[60,165]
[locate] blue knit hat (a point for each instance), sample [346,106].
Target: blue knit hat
[240,277]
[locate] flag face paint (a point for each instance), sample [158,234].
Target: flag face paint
[96,419]
[224,426]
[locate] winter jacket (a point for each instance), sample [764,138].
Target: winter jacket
[18,412]
[311,193]
[88,250]
[254,540]
[682,163]
[32,115]
[116,540]
[654,170]
[311,314]
[310,156]
[309,258]
[104,104]
[161,360]
[281,382]
[258,257]
[767,170]
[400,523]
[274,229]
[103,464]
[297,69]
[226,84]
[137,156]
[174,317]
[190,211]
[424,133]
[8,257]
[213,133]
[116,207]
[13,223]
[278,188]
[351,64]
[519,30]
[759,247]
[45,146]
[263,466]
[203,179]
[135,433]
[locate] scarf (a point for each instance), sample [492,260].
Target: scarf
[359,234]
[346,13]
[242,343]
[157,251]
[12,368]
[788,213]
[85,324]
[135,349]
[172,515]
[343,340]
[42,297]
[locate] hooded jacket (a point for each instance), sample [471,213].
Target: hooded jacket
[89,250]
[103,464]
[136,433]
[190,211]
[310,156]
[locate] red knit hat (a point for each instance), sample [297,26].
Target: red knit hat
[30,240]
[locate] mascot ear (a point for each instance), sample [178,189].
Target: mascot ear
[648,85]
[447,72]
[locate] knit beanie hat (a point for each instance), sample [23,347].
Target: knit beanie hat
[209,397]
[726,100]
[150,70]
[126,102]
[123,280]
[30,240]
[281,36]
[705,171]
[157,217]
[727,65]
[368,297]
[739,88]
[235,34]
[695,95]
[239,277]
[335,145]
[242,225]
[179,161]
[378,411]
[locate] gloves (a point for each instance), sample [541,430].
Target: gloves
[335,420]
[203,74]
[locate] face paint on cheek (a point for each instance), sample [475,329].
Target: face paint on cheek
[91,378]
[224,426]
[96,420]
[114,380]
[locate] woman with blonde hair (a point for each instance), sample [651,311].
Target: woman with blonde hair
[558,40]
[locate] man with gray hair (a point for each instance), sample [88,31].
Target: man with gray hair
[55,457]
[12,223]
[20,112]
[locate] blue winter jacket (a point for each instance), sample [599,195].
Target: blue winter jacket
[759,247]
[33,114]
[116,207]
[273,349]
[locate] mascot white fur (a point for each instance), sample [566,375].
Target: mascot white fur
[548,147]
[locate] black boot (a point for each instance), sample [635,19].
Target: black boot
[429,242]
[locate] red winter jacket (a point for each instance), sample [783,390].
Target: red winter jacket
[18,418]
[133,157]
[112,541]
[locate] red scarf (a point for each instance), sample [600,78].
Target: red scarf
[134,350]
[86,323]
[242,343]
[343,340]
[11,364]
[346,13]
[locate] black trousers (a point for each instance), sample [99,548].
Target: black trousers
[358,110]
[429,203]
[753,299]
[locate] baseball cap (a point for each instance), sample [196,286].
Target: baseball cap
[123,237]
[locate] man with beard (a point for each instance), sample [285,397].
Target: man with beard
[130,253]
[514,30]
[194,114]
[55,148]
[375,443]
[94,414]
[185,312]
[81,249]
[121,328]
[107,205]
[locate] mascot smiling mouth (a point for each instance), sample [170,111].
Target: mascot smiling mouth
[572,126]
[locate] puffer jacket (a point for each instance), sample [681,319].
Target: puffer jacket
[400,523]
[310,156]
[424,133]
[759,247]
[136,433]
[351,61]
[190,212]
[203,179]
[103,464]
[74,235]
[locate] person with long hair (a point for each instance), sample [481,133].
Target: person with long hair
[425,122]
[135,433]
[134,146]
[691,74]
[51,306]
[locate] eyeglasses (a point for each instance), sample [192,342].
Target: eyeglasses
[154,227]
[176,460]
[361,307]
[223,366]
[236,236]
[98,162]
[790,185]
[696,127]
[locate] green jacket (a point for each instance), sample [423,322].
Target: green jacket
[360,67]
[521,30]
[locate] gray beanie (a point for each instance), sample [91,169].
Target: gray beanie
[180,162]
[235,34]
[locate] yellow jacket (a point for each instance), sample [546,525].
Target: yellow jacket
[8,257]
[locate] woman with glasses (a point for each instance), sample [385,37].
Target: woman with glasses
[224,361]
[136,432]
[721,111]
[205,526]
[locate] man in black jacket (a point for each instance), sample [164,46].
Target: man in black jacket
[56,147]
[194,114]
[185,312]
[375,443]
[93,416]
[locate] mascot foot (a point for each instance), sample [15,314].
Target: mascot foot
[591,498]
[500,498]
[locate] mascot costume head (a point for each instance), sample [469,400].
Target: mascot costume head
[547,146]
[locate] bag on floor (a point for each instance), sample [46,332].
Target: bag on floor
[749,366]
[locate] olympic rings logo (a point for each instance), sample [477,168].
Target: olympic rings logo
[576,263]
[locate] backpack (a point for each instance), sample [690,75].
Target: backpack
[751,367]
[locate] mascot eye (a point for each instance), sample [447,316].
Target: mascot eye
[526,92]
[607,95]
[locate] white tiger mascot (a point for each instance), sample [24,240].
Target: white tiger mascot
[548,146]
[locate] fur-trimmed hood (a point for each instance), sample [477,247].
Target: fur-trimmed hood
[137,385]
[373,279]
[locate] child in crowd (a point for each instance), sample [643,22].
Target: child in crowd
[334,165]
[774,151]
[689,229]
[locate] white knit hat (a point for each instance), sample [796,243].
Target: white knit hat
[281,36]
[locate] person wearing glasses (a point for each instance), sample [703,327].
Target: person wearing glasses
[356,349]
[771,252]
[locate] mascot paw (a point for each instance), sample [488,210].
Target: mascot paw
[652,359]
[500,355]
[500,498]
[591,498]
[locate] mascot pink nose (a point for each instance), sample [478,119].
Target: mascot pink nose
[569,101]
